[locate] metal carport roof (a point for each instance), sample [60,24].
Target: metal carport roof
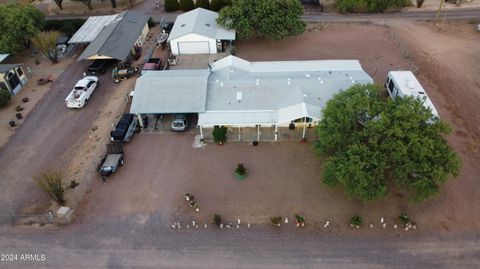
[170,91]
[91,28]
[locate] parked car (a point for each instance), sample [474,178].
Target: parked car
[112,160]
[180,123]
[167,27]
[97,67]
[82,92]
[125,128]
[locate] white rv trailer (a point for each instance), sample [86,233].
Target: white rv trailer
[404,83]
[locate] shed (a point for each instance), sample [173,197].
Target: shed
[197,32]
[117,39]
[12,77]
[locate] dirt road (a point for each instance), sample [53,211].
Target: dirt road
[49,137]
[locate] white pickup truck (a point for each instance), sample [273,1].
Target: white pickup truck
[82,91]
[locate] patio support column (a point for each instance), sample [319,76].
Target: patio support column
[239,135]
[140,121]
[304,128]
[276,132]
[201,131]
[258,132]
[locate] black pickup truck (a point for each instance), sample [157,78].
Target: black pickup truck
[126,126]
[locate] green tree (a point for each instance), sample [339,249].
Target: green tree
[217,5]
[263,18]
[371,142]
[5,97]
[187,5]
[203,4]
[171,5]
[17,24]
[46,42]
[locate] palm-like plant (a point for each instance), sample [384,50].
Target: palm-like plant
[46,42]
[51,182]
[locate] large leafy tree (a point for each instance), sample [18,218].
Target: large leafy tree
[271,19]
[171,5]
[187,5]
[372,142]
[203,4]
[17,24]
[217,5]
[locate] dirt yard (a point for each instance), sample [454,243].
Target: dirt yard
[34,92]
[447,62]
[285,178]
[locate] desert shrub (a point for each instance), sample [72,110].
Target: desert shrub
[5,97]
[276,220]
[369,6]
[51,182]
[404,218]
[171,5]
[356,221]
[241,170]
[219,134]
[217,219]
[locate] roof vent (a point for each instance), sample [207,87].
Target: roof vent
[207,24]
[307,75]
[410,84]
[239,96]
[183,25]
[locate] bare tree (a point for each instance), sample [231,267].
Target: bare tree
[46,42]
[114,3]
[59,3]
[86,2]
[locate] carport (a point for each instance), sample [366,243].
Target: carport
[112,37]
[170,92]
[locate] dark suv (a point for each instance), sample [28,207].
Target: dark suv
[97,67]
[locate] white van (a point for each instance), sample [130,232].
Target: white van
[404,83]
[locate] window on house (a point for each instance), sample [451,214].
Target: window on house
[19,71]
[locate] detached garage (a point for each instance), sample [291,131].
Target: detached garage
[197,32]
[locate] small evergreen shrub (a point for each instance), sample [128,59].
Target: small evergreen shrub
[171,5]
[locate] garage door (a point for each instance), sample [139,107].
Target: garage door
[193,47]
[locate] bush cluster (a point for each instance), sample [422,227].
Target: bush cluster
[369,6]
[67,26]
[186,5]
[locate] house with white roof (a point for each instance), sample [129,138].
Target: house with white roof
[275,100]
[197,32]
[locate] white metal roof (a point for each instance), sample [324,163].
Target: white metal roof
[292,89]
[238,92]
[91,28]
[409,85]
[201,22]
[3,57]
[170,91]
